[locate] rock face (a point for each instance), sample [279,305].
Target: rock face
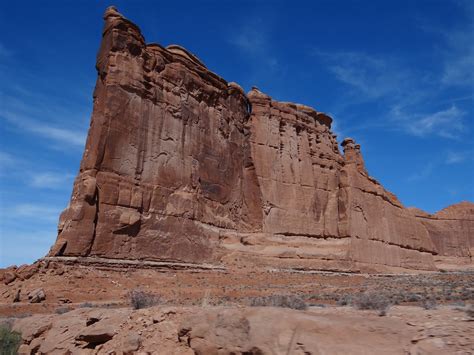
[452,233]
[181,165]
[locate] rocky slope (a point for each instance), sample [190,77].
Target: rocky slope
[182,166]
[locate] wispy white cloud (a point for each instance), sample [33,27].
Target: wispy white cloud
[6,159]
[446,123]
[458,157]
[20,169]
[45,129]
[51,180]
[455,46]
[35,211]
[422,174]
[458,52]
[419,101]
[371,77]
[460,70]
[249,39]
[455,157]
[403,91]
[440,162]
[252,39]
[9,163]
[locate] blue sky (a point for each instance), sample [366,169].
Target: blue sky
[396,75]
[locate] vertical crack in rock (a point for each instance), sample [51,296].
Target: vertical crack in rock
[95,221]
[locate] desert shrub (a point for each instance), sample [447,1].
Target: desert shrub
[412,297]
[466,294]
[428,303]
[62,310]
[9,341]
[285,301]
[397,298]
[140,299]
[344,300]
[375,301]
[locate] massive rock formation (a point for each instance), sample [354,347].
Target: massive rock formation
[181,165]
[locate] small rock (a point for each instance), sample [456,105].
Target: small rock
[24,272]
[130,343]
[36,296]
[24,349]
[9,277]
[17,296]
[35,345]
[96,335]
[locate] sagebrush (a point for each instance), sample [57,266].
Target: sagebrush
[140,299]
[286,301]
[374,301]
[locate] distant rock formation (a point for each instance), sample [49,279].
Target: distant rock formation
[182,166]
[452,233]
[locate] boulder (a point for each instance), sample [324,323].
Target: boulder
[96,335]
[9,277]
[36,296]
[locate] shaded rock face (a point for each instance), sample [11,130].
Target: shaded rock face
[180,165]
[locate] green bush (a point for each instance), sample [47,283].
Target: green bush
[9,341]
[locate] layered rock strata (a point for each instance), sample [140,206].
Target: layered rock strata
[182,166]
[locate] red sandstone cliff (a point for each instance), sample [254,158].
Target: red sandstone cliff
[180,165]
[452,233]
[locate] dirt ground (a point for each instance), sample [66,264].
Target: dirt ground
[75,284]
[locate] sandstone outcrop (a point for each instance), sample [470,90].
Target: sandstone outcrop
[247,330]
[452,233]
[182,166]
